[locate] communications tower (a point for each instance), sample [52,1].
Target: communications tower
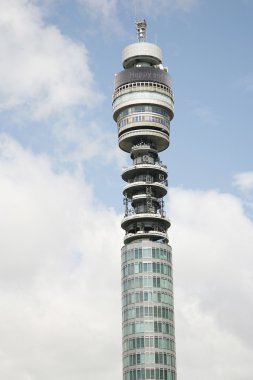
[143,109]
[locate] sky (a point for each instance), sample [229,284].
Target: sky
[61,191]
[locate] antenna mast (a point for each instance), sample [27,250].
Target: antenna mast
[141,27]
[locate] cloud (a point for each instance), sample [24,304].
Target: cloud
[149,7]
[246,83]
[43,74]
[106,9]
[59,273]
[244,181]
[41,71]
[206,115]
[185,5]
[212,242]
[77,144]
[206,351]
[104,15]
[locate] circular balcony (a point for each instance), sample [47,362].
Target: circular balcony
[142,217]
[132,137]
[149,120]
[151,235]
[132,188]
[152,169]
[142,149]
[143,197]
[139,125]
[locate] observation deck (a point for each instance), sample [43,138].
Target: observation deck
[144,217]
[150,235]
[157,187]
[157,170]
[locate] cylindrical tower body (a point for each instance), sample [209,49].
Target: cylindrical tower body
[143,109]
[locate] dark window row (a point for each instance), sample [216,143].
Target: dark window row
[146,253]
[147,281]
[148,311]
[148,326]
[142,118]
[148,267]
[152,373]
[143,108]
[149,358]
[137,297]
[160,342]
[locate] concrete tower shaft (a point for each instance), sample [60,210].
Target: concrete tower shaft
[143,108]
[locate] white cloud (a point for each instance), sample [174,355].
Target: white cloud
[44,73]
[206,115]
[41,70]
[107,10]
[183,5]
[244,181]
[150,6]
[104,16]
[246,83]
[212,242]
[100,8]
[77,144]
[206,351]
[59,274]
[187,5]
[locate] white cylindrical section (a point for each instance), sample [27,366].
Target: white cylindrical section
[141,52]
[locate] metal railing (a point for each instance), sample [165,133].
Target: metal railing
[141,86]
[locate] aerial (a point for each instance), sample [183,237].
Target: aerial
[61,201]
